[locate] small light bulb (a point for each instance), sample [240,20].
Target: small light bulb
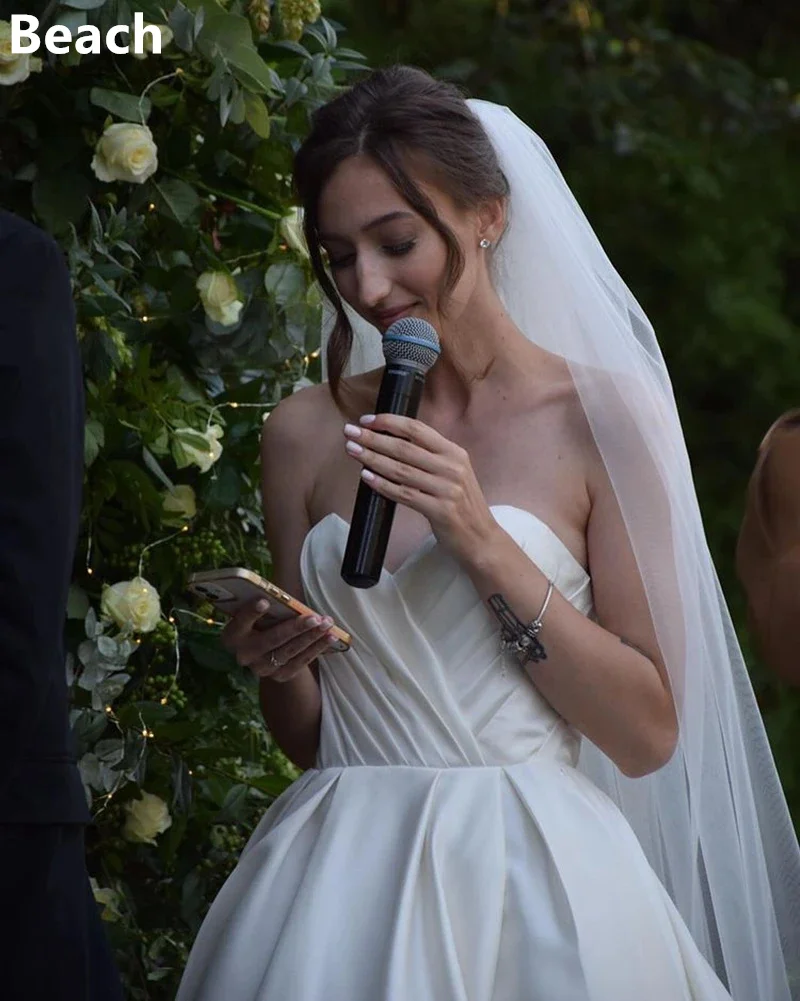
[89,571]
[163,702]
[234,405]
[210,622]
[144,733]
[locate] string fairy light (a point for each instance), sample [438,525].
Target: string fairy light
[159,542]
[89,570]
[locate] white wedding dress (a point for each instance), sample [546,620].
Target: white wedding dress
[445,848]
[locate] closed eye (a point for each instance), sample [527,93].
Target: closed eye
[393,250]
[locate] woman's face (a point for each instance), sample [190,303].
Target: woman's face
[387,261]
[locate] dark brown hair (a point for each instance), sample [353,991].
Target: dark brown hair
[393,116]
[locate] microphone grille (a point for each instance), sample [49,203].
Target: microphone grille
[413,341]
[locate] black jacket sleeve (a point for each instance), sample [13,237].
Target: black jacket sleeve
[41,473]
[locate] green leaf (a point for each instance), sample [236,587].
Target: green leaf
[77,603]
[182,22]
[232,36]
[94,437]
[128,107]
[154,466]
[257,115]
[60,199]
[176,199]
[171,840]
[285,282]
[136,492]
[224,490]
[72,20]
[234,804]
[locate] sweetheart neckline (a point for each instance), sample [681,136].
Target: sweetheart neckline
[429,541]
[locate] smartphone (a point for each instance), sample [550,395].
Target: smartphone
[229,589]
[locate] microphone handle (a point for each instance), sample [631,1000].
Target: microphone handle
[373,514]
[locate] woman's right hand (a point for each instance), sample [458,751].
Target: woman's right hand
[280,650]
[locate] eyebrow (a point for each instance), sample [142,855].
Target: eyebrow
[389,217]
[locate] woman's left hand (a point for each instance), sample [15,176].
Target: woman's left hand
[416,466]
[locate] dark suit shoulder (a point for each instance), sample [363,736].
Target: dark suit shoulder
[19,236]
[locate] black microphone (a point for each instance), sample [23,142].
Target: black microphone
[410,347]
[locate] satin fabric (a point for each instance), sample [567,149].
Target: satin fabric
[445,848]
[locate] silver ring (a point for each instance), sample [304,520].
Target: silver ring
[274,663]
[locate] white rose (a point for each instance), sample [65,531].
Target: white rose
[220,297]
[14,68]
[133,604]
[147,818]
[147,41]
[180,504]
[292,231]
[125,152]
[203,448]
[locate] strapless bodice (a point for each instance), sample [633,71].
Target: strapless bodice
[425,682]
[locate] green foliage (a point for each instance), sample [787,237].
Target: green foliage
[179,379]
[675,124]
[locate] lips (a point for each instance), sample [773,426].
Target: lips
[387,319]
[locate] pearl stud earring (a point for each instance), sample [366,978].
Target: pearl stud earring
[485,243]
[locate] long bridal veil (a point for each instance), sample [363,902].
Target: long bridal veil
[713,822]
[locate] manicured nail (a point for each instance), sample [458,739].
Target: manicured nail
[353,448]
[332,638]
[262,606]
[352,431]
[327,622]
[366,418]
[314,620]
[367,475]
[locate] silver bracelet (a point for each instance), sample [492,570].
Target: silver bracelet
[517,638]
[536,625]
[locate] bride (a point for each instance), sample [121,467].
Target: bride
[484,817]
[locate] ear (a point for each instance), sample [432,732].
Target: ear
[492,219]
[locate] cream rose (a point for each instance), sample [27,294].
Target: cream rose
[147,818]
[125,152]
[14,68]
[134,605]
[180,504]
[202,453]
[292,231]
[220,297]
[147,41]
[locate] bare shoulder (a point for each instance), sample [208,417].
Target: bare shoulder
[291,452]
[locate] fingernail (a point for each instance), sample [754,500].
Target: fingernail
[367,475]
[262,606]
[327,621]
[353,448]
[332,638]
[314,620]
[352,430]
[366,418]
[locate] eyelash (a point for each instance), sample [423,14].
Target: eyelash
[397,250]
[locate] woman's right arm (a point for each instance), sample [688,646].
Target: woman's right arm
[289,695]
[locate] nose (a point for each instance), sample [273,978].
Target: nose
[374,281]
